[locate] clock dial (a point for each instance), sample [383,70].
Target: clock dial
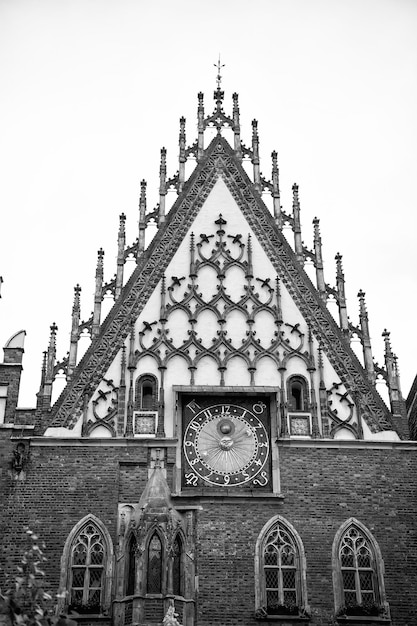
[226,445]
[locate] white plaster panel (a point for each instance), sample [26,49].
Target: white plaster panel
[267,373]
[237,372]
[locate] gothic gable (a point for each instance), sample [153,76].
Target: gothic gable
[279,276]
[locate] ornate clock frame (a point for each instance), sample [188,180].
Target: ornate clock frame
[226,441]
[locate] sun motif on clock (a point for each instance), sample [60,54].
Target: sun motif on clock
[226,445]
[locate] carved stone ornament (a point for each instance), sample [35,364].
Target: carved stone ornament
[220,161]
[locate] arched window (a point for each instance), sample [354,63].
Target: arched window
[297,394]
[146,396]
[154,576]
[280,570]
[131,566]
[358,572]
[177,568]
[86,571]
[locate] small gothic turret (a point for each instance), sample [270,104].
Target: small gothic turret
[121,242]
[75,332]
[298,244]
[321,285]
[366,339]
[275,190]
[162,186]
[142,217]
[393,379]
[49,370]
[236,126]
[200,124]
[182,156]
[341,298]
[255,156]
[98,295]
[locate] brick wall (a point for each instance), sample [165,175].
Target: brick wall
[322,487]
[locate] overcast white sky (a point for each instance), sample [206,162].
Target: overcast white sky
[90,90]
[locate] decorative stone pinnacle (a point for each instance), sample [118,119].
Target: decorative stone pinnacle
[100,254]
[219,67]
[274,155]
[122,218]
[54,328]
[361,295]
[255,129]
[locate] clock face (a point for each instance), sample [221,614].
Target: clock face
[226,443]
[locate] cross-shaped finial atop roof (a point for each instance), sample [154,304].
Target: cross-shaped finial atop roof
[219,66]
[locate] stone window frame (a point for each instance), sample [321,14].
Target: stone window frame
[378,562]
[298,378]
[301,567]
[65,578]
[139,384]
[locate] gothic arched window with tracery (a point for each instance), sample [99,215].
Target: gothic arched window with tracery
[357,566]
[87,568]
[358,569]
[279,570]
[154,575]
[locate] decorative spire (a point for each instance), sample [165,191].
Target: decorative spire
[98,294]
[182,156]
[255,156]
[142,217]
[162,186]
[200,118]
[321,285]
[50,362]
[275,190]
[340,286]
[298,244]
[75,332]
[236,125]
[366,339]
[121,242]
[393,380]
[219,67]
[219,94]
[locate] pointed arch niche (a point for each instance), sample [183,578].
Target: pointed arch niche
[87,568]
[358,573]
[280,571]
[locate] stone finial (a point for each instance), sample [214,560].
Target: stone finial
[236,125]
[121,242]
[142,217]
[366,338]
[75,332]
[255,156]
[321,285]
[98,294]
[276,196]
[341,298]
[298,244]
[182,155]
[200,125]
[162,186]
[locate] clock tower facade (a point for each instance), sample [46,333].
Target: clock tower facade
[219,455]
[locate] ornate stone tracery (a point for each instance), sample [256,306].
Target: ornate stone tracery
[221,252]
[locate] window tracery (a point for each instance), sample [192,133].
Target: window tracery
[87,564]
[280,571]
[154,569]
[358,572]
